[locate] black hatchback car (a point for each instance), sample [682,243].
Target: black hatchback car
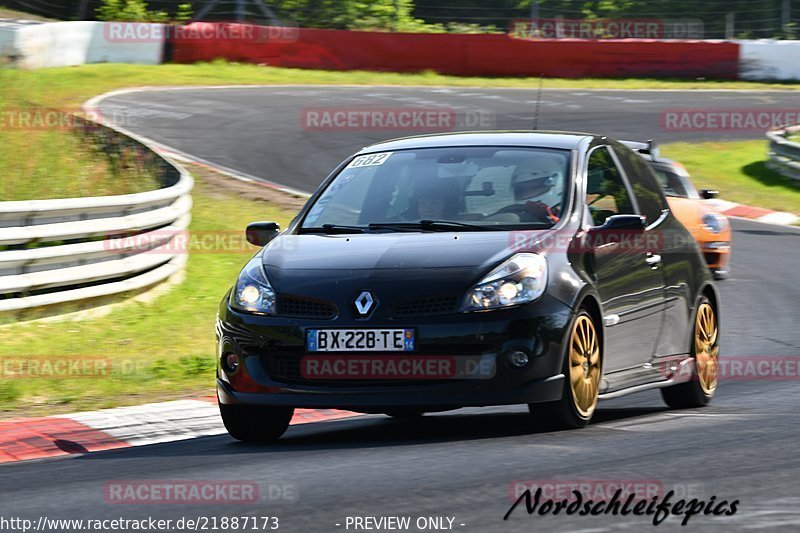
[470,269]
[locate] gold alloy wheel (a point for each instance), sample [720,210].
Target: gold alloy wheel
[706,348]
[584,365]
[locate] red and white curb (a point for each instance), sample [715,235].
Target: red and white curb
[731,209]
[122,427]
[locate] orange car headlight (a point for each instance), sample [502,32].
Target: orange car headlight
[715,223]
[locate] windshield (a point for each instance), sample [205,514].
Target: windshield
[485,188]
[674,184]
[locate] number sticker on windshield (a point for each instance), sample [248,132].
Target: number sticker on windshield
[371,160]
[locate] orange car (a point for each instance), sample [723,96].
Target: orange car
[709,227]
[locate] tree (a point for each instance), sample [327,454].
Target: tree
[138,11]
[754,18]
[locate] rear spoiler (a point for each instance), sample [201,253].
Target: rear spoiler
[646,148]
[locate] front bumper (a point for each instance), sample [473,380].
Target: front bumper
[718,257]
[463,395]
[271,349]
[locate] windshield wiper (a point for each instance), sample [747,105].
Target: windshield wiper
[435,225]
[331,229]
[424,225]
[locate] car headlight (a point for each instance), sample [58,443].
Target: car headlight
[715,223]
[253,293]
[519,280]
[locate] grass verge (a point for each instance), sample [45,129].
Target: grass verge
[738,171]
[43,157]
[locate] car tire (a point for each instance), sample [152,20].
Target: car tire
[255,423]
[720,275]
[583,371]
[698,391]
[404,413]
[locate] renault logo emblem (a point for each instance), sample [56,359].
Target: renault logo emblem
[364,303]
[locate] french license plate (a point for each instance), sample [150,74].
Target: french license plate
[360,340]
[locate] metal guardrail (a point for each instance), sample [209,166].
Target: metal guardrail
[784,155]
[69,251]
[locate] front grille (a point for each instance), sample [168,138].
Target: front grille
[296,307]
[712,258]
[283,367]
[431,305]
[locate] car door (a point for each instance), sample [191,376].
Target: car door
[625,267]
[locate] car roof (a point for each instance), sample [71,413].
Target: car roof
[539,139]
[646,151]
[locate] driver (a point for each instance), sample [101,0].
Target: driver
[433,199]
[537,187]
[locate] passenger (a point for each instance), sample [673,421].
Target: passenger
[537,187]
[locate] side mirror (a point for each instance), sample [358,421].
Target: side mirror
[708,194]
[624,222]
[261,233]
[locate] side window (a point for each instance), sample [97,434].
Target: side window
[644,185]
[606,194]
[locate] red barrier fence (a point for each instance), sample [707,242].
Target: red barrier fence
[464,55]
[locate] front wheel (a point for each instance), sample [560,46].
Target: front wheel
[705,349]
[582,368]
[255,423]
[720,275]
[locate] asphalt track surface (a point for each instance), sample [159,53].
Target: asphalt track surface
[463,464]
[262,132]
